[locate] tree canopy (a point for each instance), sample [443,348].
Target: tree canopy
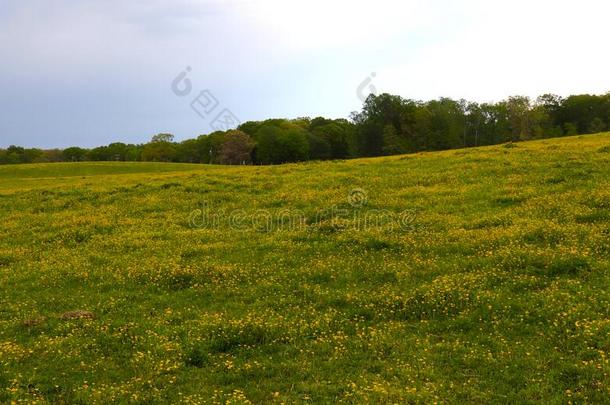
[386,125]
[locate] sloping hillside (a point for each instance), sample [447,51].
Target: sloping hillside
[467,275]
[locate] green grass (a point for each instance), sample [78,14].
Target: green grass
[480,275]
[89,169]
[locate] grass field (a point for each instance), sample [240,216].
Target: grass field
[477,275]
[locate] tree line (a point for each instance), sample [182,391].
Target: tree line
[386,125]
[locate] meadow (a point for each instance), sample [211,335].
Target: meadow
[485,279]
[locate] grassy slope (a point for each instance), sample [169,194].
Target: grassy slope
[496,291]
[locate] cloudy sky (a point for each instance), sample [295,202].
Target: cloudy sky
[91,72]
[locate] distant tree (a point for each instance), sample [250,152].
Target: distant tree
[319,147]
[541,123]
[498,123]
[597,125]
[133,153]
[392,143]
[250,127]
[74,154]
[269,147]
[163,138]
[552,105]
[209,146]
[386,125]
[52,156]
[302,122]
[159,151]
[280,141]
[581,111]
[161,148]
[14,154]
[377,113]
[117,151]
[33,155]
[99,154]
[295,145]
[519,117]
[236,148]
[370,139]
[447,124]
[474,124]
[334,134]
[188,151]
[570,129]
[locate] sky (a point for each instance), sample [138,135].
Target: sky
[92,72]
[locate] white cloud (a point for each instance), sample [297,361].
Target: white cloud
[522,47]
[269,58]
[316,25]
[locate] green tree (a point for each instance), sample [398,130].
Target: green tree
[392,143]
[117,151]
[163,138]
[519,117]
[209,146]
[334,133]
[581,111]
[159,149]
[268,145]
[370,139]
[99,154]
[570,128]
[236,148]
[188,151]
[281,141]
[597,125]
[295,145]
[33,155]
[52,156]
[378,112]
[74,154]
[133,153]
[319,147]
